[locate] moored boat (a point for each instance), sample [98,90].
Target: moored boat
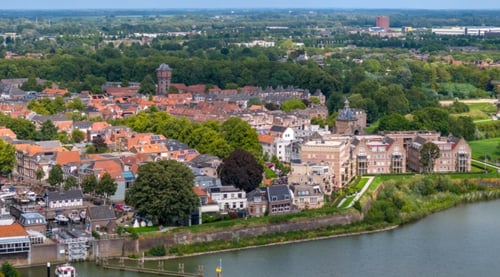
[61,219]
[65,270]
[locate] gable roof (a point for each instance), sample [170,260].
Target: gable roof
[68,195]
[279,193]
[67,157]
[268,139]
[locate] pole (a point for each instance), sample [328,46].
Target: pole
[48,269]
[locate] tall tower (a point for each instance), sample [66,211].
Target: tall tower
[383,22]
[163,75]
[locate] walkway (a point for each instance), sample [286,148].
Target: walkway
[358,195]
[487,164]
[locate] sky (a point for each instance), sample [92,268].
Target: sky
[247,4]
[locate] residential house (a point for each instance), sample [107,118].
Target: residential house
[62,123]
[308,196]
[69,199]
[257,202]
[280,199]
[228,198]
[207,164]
[207,205]
[6,133]
[101,219]
[309,173]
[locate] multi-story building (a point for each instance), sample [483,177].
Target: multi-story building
[334,151]
[350,121]
[454,155]
[378,155]
[382,22]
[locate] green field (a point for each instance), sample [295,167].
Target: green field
[486,148]
[479,111]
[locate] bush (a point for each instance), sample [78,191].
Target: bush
[96,235]
[157,251]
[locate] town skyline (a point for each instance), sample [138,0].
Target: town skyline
[258,4]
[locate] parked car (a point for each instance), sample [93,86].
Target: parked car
[126,208]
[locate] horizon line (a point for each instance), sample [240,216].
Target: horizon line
[242,8]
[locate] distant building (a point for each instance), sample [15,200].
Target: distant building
[350,121]
[164,75]
[383,22]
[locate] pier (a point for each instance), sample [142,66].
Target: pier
[160,270]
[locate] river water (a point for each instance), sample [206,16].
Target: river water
[463,241]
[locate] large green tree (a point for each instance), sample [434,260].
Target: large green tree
[9,271]
[428,155]
[163,191]
[89,183]
[70,183]
[77,135]
[240,135]
[48,131]
[106,186]
[55,175]
[7,157]
[148,85]
[241,170]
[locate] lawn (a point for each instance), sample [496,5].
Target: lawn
[486,148]
[479,111]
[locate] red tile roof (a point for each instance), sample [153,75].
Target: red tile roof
[13,230]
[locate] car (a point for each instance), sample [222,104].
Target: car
[126,208]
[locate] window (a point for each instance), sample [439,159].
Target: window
[274,198]
[239,195]
[224,196]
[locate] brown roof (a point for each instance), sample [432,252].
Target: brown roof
[13,230]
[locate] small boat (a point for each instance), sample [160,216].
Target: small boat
[74,216]
[31,196]
[61,219]
[65,270]
[83,215]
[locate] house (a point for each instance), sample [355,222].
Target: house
[207,205]
[257,202]
[206,164]
[35,225]
[308,196]
[378,155]
[69,199]
[14,242]
[101,219]
[228,198]
[280,199]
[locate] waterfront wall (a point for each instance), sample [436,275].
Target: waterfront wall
[107,248]
[169,239]
[44,253]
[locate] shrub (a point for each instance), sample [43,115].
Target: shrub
[157,251]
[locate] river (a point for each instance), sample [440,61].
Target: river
[462,241]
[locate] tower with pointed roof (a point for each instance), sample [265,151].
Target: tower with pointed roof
[163,75]
[350,121]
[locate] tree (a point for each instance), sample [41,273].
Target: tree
[106,186]
[292,104]
[99,144]
[147,85]
[164,191]
[77,135]
[9,271]
[7,157]
[55,175]
[76,104]
[428,154]
[39,174]
[89,183]
[242,170]
[240,135]
[70,183]
[48,131]
[31,85]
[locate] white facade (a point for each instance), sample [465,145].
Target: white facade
[228,198]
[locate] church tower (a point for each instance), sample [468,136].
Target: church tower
[163,75]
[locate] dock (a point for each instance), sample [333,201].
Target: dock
[156,271]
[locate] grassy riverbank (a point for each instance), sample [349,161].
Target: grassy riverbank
[401,201]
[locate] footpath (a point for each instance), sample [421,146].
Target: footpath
[358,195]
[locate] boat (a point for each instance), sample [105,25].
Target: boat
[61,219]
[65,270]
[83,215]
[31,196]
[74,216]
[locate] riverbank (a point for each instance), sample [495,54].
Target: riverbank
[402,202]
